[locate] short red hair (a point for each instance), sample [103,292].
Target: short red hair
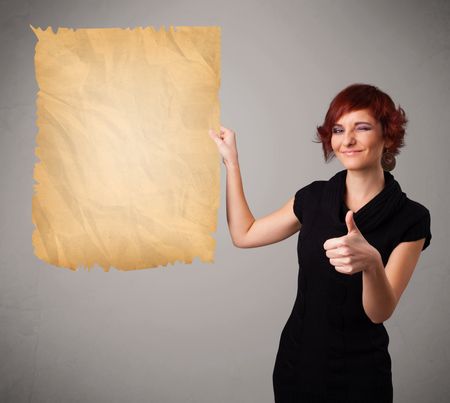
[364,96]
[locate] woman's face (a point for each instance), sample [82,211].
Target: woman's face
[359,132]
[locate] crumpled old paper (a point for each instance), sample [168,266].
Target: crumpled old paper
[128,175]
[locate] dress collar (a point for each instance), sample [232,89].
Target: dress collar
[377,210]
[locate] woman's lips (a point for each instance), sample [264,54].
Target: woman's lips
[350,153]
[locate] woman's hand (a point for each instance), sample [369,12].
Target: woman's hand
[226,143]
[351,253]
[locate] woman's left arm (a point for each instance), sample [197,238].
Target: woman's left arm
[383,286]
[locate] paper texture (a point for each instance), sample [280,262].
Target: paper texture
[127,174]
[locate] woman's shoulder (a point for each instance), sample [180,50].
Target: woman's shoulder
[412,214]
[414,208]
[312,187]
[307,196]
[412,222]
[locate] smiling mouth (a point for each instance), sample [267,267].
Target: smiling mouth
[351,152]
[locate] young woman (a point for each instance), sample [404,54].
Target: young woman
[360,239]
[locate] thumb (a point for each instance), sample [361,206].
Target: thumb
[350,221]
[215,136]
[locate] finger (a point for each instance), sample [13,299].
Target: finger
[336,253]
[344,269]
[332,243]
[213,133]
[214,136]
[350,221]
[225,130]
[341,260]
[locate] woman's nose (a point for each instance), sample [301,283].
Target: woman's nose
[349,137]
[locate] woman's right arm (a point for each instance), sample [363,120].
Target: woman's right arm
[245,231]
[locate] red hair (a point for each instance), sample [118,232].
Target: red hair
[364,96]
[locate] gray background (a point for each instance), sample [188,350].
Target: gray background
[209,332]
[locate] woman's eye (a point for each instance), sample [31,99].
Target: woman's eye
[339,130]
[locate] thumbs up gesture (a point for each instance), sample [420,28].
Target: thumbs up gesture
[351,253]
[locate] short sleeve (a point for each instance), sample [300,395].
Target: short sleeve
[305,198]
[418,230]
[298,203]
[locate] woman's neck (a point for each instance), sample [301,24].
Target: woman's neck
[362,186]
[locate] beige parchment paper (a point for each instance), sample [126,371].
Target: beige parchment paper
[127,175]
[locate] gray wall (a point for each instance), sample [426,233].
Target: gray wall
[208,333]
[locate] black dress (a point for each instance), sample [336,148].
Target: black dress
[329,350]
